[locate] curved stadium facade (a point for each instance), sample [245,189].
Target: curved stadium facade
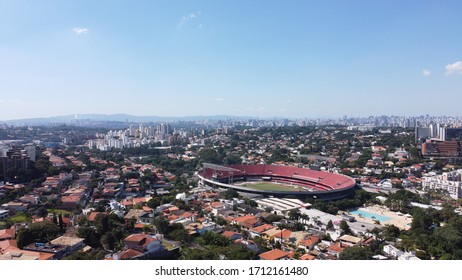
[300,182]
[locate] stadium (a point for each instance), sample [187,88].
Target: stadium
[277,181]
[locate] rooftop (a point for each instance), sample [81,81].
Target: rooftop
[275,254]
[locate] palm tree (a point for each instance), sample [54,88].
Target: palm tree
[281,227]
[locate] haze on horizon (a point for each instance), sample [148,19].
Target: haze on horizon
[241,58]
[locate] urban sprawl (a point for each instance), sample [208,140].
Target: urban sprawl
[232,189]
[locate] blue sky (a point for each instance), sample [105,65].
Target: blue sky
[253,58]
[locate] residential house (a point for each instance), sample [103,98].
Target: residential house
[275,254]
[247,222]
[7,234]
[307,257]
[15,206]
[392,251]
[248,244]
[283,236]
[71,244]
[258,231]
[140,216]
[232,235]
[309,243]
[336,248]
[350,240]
[4,214]
[92,216]
[143,243]
[130,254]
[16,254]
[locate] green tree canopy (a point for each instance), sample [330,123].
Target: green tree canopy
[37,232]
[356,253]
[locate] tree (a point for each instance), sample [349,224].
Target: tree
[197,254]
[221,221]
[42,212]
[180,234]
[272,218]
[61,222]
[108,241]
[162,225]
[212,238]
[55,219]
[294,214]
[345,227]
[97,254]
[37,232]
[102,223]
[356,253]
[230,194]
[330,224]
[153,203]
[90,236]
[401,200]
[391,232]
[210,156]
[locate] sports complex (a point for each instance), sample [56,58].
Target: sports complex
[278,181]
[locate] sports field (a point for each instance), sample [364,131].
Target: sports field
[268,186]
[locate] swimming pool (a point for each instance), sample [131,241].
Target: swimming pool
[370,215]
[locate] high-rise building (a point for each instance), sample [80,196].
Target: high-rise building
[31,152]
[132,130]
[453,134]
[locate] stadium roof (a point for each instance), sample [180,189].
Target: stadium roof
[219,167]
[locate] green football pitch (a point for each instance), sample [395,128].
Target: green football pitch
[266,186]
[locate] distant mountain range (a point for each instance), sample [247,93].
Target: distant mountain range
[119,118]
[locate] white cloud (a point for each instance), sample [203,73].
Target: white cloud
[219,99]
[455,68]
[184,20]
[426,72]
[80,30]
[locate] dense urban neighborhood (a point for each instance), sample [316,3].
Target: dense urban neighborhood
[125,190]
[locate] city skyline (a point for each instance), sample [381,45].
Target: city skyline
[260,59]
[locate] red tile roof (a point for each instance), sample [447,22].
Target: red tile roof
[140,226]
[139,200]
[186,215]
[275,254]
[307,257]
[310,241]
[216,204]
[129,254]
[337,247]
[263,228]
[7,245]
[243,219]
[136,238]
[250,223]
[6,233]
[229,234]
[285,234]
[93,215]
[126,203]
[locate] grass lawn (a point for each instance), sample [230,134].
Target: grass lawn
[168,246]
[267,186]
[59,211]
[19,218]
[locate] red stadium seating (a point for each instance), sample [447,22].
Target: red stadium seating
[310,179]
